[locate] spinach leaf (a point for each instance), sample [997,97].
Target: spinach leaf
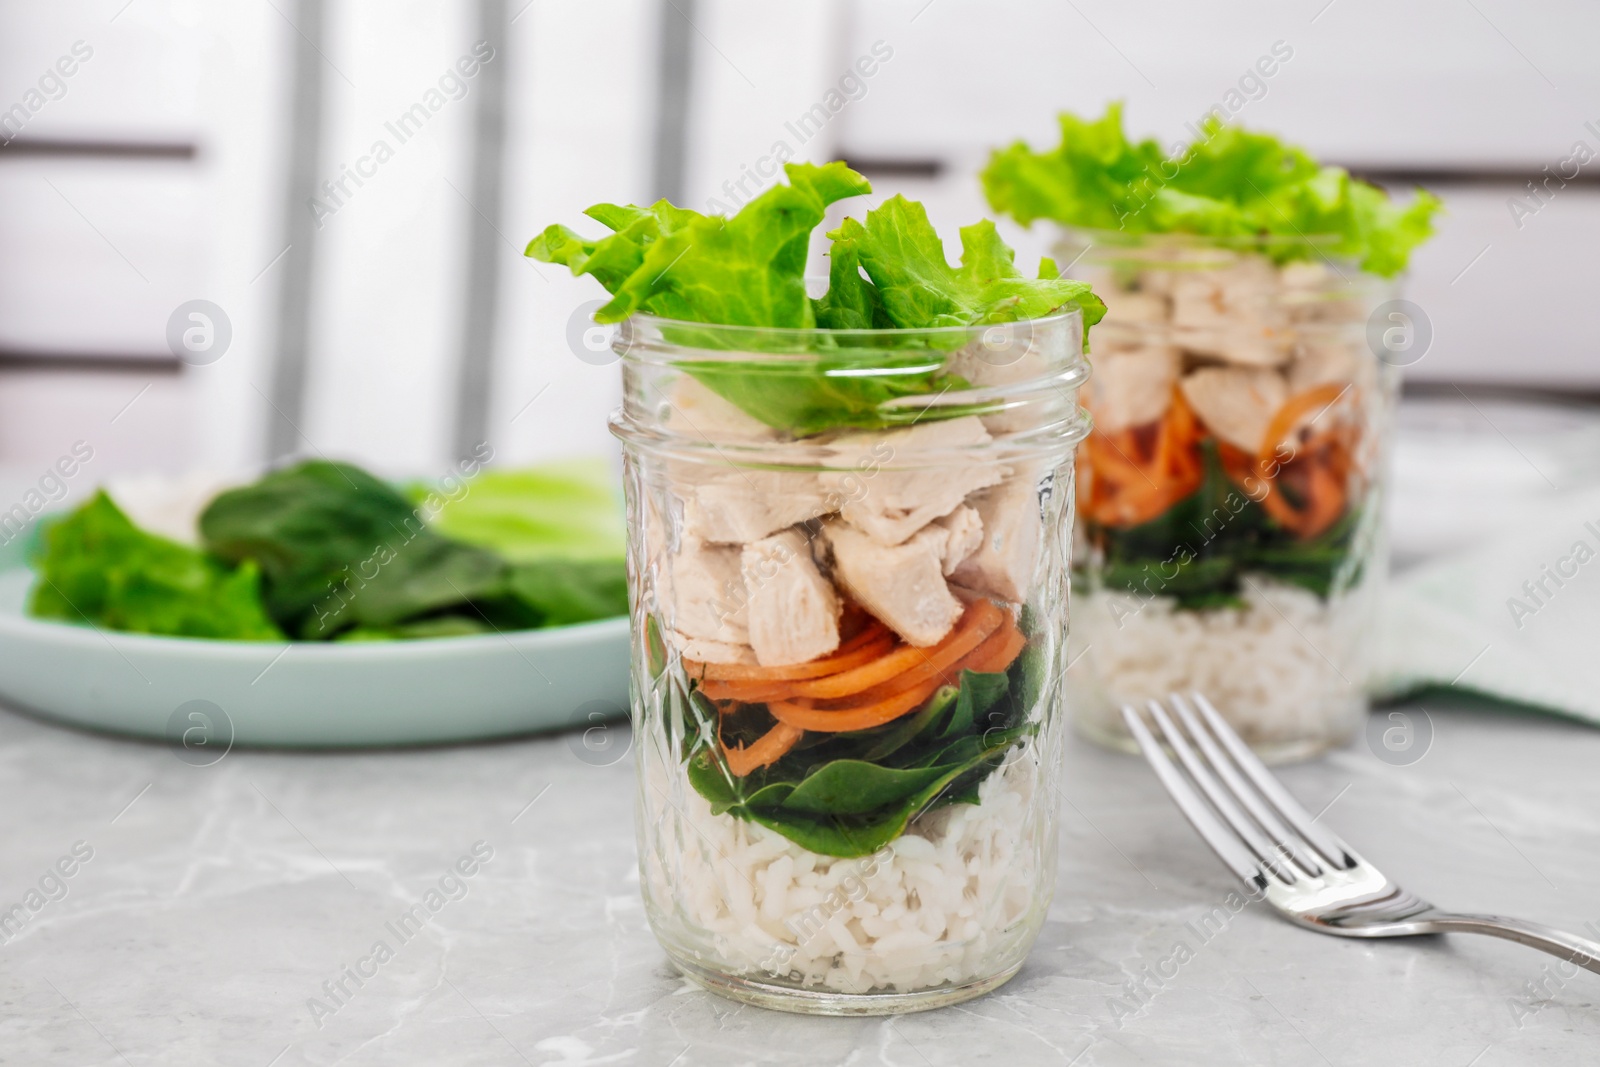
[339,548]
[903,731]
[854,787]
[563,592]
[1199,550]
[849,835]
[851,793]
[97,567]
[978,694]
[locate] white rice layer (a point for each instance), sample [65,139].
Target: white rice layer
[947,902]
[1286,667]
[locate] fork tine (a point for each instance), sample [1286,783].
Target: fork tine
[1227,847]
[1222,802]
[1284,843]
[1335,851]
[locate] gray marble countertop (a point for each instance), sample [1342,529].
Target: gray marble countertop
[215,902]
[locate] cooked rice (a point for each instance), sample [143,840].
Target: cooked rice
[1286,667]
[948,902]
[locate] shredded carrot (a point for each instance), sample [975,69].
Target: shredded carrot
[764,751]
[1133,475]
[992,657]
[943,661]
[981,614]
[1319,473]
[863,717]
[1287,419]
[848,653]
[757,692]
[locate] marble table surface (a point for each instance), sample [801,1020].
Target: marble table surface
[207,906]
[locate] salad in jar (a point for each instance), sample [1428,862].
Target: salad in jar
[1230,497]
[849,517]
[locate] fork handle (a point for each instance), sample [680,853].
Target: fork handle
[1570,947]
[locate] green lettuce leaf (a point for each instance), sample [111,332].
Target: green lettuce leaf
[745,270]
[1231,183]
[97,567]
[749,270]
[567,510]
[903,256]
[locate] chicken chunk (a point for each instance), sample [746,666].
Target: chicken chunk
[1133,388]
[1236,403]
[738,506]
[1328,360]
[901,585]
[793,610]
[707,594]
[1233,314]
[696,412]
[1004,561]
[1136,306]
[703,651]
[1315,293]
[965,533]
[892,504]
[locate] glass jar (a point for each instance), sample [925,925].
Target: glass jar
[1230,498]
[848,563]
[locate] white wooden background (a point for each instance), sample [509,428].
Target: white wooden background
[96,251]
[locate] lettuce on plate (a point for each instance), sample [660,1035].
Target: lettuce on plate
[97,568]
[326,551]
[749,270]
[1231,183]
[566,510]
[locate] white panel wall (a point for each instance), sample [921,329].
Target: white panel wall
[387,300]
[758,69]
[581,120]
[141,78]
[96,264]
[1423,82]
[116,246]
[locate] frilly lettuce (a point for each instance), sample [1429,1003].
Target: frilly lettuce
[749,270]
[1231,183]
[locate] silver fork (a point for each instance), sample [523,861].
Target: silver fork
[1302,869]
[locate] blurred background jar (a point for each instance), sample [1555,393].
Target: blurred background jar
[1230,519]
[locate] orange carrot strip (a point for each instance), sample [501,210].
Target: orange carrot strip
[943,661]
[993,660]
[756,692]
[980,613]
[1121,490]
[806,717]
[765,750]
[747,672]
[1326,504]
[994,654]
[1296,408]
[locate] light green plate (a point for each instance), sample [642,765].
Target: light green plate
[307,694]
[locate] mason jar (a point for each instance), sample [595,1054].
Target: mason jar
[848,567]
[1230,517]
